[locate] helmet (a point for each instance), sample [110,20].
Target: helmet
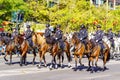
[98,26]
[47,25]
[14,28]
[28,26]
[58,26]
[110,29]
[82,26]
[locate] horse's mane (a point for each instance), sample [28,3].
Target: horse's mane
[75,37]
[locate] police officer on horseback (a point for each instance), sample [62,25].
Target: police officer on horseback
[110,36]
[28,35]
[83,35]
[14,34]
[58,37]
[118,34]
[48,34]
[98,38]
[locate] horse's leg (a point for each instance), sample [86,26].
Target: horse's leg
[44,61]
[21,58]
[69,58]
[80,58]
[40,55]
[5,57]
[10,58]
[75,56]
[34,53]
[96,61]
[25,61]
[89,61]
[61,59]
[104,61]
[53,60]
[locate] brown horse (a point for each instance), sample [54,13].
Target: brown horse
[23,47]
[10,47]
[42,46]
[96,50]
[79,49]
[57,51]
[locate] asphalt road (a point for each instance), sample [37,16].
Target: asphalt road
[31,72]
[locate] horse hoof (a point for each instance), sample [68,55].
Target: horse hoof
[82,65]
[45,65]
[50,67]
[91,71]
[88,69]
[5,59]
[20,64]
[39,66]
[56,66]
[75,69]
[69,65]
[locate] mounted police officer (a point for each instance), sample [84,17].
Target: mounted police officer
[110,36]
[14,34]
[28,35]
[83,35]
[48,35]
[118,34]
[98,38]
[58,37]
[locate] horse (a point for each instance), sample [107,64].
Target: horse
[79,49]
[95,53]
[42,46]
[10,47]
[23,47]
[57,51]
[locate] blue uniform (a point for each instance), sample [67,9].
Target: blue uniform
[48,36]
[83,35]
[5,37]
[28,36]
[47,32]
[15,33]
[58,37]
[118,35]
[98,38]
[110,37]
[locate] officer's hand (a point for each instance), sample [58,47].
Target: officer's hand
[56,38]
[24,38]
[12,38]
[80,38]
[96,40]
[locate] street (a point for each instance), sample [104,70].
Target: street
[31,72]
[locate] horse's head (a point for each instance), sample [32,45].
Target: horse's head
[74,39]
[18,40]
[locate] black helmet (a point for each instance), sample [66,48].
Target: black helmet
[110,29]
[98,26]
[14,28]
[58,26]
[82,26]
[47,25]
[28,26]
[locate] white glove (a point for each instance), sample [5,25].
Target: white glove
[24,37]
[56,38]
[96,40]
[11,37]
[80,38]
